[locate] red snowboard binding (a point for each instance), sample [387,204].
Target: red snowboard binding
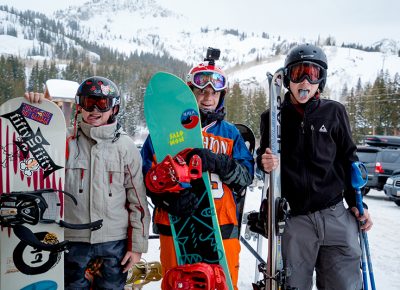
[173,174]
[195,277]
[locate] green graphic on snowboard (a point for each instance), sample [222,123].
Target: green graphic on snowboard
[173,119]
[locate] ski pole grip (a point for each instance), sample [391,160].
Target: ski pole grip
[358,169]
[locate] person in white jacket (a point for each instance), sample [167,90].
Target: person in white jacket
[103,172]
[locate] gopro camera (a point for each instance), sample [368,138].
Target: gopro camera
[212,55]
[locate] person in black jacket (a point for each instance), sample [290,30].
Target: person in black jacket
[316,156]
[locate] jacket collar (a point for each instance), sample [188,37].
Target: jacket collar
[209,117]
[100,133]
[311,105]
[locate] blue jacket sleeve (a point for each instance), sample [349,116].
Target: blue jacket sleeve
[147,153]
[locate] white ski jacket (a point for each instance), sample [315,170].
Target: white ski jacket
[104,173]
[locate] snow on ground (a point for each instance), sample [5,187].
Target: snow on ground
[384,240]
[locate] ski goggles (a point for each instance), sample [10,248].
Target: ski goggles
[311,71]
[103,104]
[204,78]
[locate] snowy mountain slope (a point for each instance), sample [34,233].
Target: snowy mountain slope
[147,26]
[345,66]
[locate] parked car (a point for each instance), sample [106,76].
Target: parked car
[380,162]
[382,141]
[392,188]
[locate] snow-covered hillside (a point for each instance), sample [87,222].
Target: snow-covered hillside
[345,66]
[148,26]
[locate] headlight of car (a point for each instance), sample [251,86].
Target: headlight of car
[389,181]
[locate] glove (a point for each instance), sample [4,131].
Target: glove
[229,170]
[220,164]
[208,158]
[179,204]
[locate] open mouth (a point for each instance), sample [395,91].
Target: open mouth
[303,93]
[94,117]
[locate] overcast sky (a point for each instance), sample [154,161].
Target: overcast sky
[358,21]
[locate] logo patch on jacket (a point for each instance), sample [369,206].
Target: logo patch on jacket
[323,129]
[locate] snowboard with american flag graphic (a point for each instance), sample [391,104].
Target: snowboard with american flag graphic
[32,143]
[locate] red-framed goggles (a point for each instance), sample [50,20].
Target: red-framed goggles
[102,104]
[311,71]
[202,79]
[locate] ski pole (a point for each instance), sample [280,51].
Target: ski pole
[369,261]
[358,182]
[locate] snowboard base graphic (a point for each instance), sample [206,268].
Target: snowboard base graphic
[173,119]
[32,143]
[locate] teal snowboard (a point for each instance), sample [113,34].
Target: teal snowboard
[173,119]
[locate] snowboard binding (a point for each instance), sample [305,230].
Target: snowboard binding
[195,277]
[173,174]
[280,277]
[143,272]
[31,207]
[20,207]
[257,221]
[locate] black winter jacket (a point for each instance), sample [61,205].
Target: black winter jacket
[316,154]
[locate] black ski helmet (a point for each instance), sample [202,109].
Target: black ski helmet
[306,52]
[99,87]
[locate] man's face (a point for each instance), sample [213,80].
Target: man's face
[207,98]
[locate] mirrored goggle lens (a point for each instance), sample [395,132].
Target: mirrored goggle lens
[311,71]
[88,103]
[203,79]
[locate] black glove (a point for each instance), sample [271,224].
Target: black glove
[179,204]
[220,164]
[229,171]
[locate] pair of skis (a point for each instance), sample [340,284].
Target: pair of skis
[274,209]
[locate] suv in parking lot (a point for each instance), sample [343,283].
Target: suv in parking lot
[381,159]
[392,188]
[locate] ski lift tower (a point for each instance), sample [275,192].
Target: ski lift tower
[62,92]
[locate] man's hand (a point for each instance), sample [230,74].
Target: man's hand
[130,259]
[182,204]
[365,220]
[209,160]
[33,97]
[269,161]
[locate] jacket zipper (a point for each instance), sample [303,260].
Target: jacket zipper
[81,183]
[110,177]
[306,173]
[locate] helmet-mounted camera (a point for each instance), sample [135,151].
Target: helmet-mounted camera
[212,55]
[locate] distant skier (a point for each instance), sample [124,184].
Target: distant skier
[225,156]
[103,172]
[316,156]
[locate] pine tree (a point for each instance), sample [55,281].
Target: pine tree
[258,105]
[235,105]
[12,74]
